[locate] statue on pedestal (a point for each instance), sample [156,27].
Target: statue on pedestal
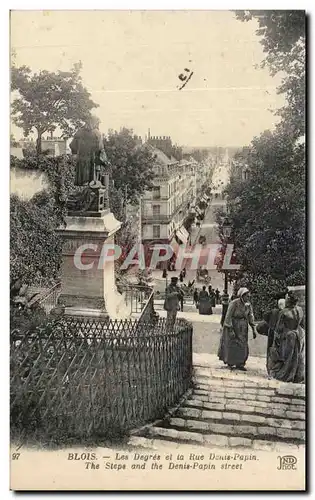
[92,169]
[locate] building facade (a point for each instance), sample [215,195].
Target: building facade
[165,207]
[55,146]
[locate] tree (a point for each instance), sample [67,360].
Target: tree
[199,155]
[49,100]
[282,35]
[267,215]
[267,211]
[132,165]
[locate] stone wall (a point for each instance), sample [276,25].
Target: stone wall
[27,183]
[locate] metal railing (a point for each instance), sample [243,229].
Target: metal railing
[136,296]
[49,298]
[79,378]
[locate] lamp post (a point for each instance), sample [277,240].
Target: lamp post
[226,229]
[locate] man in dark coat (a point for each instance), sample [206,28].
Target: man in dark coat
[172,302]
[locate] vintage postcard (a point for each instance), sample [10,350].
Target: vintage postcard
[157,251]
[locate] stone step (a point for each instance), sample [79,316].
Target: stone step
[281,389]
[256,398]
[240,418]
[198,403]
[252,428]
[250,387]
[156,435]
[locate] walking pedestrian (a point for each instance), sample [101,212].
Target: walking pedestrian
[268,325]
[172,301]
[233,350]
[183,289]
[204,305]
[287,354]
[196,297]
[217,296]
[212,298]
[225,302]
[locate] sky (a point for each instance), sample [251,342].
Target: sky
[131,62]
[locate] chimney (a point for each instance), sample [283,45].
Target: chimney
[149,134]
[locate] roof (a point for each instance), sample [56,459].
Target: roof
[192,160]
[160,156]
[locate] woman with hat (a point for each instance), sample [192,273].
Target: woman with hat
[233,350]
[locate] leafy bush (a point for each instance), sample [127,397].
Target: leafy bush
[265,291]
[35,246]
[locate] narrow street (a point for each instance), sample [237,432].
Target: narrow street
[207,329]
[209,230]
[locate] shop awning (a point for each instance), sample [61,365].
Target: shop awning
[182,235]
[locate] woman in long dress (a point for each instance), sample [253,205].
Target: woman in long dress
[286,360]
[268,324]
[233,350]
[204,304]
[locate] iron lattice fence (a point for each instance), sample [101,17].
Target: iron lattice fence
[79,377]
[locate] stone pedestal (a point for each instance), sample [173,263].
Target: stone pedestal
[83,277]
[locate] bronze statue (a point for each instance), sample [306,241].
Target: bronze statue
[92,170]
[88,145]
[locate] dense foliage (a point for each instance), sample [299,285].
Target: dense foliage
[35,246]
[35,249]
[267,211]
[132,168]
[48,100]
[132,165]
[282,35]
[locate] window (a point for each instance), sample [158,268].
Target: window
[156,231]
[156,192]
[156,210]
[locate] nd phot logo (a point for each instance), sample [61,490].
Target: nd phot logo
[287,462]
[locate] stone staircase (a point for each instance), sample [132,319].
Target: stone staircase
[235,409]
